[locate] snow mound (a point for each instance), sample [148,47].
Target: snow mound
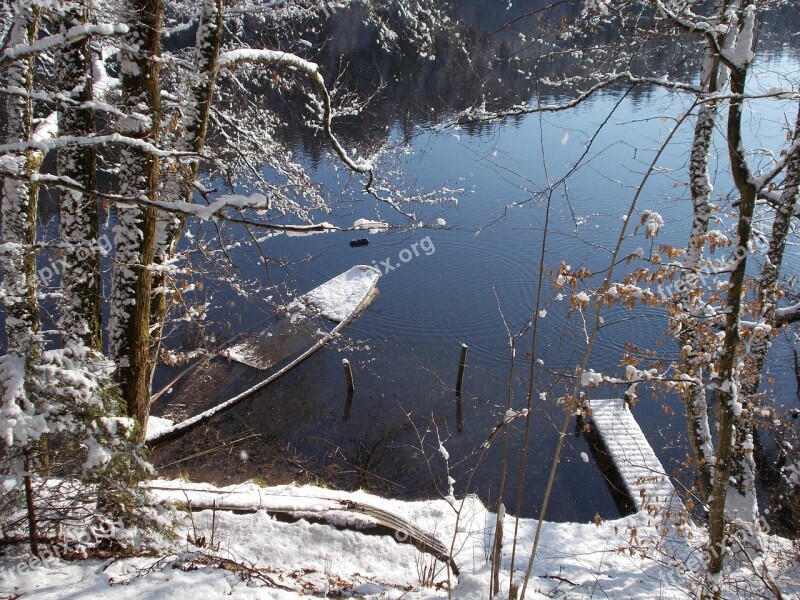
[370,226]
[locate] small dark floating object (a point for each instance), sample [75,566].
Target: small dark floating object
[359,243]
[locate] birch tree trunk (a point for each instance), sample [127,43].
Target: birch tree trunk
[134,238]
[179,184]
[768,288]
[80,273]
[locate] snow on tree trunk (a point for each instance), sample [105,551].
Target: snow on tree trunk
[20,424]
[768,288]
[741,504]
[80,273]
[19,203]
[134,234]
[732,448]
[741,501]
[686,299]
[180,180]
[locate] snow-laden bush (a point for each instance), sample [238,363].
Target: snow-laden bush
[68,445]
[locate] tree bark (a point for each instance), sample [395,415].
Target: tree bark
[30,504]
[19,212]
[729,410]
[687,299]
[135,232]
[768,288]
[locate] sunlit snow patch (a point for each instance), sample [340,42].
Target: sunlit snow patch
[156,425]
[370,226]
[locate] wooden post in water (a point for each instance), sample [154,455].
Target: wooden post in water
[348,373]
[348,406]
[461,364]
[459,413]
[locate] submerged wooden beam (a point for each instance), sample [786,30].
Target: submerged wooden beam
[333,300]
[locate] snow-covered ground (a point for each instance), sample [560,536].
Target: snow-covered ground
[255,555]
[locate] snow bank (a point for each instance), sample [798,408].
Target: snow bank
[622,558]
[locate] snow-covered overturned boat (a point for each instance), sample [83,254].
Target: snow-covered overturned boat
[257,359]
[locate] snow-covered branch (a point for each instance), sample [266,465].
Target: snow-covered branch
[214,211]
[45,145]
[64,99]
[231,59]
[788,314]
[682,18]
[20,51]
[778,167]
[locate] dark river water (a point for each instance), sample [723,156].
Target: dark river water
[474,280]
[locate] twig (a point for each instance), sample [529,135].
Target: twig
[211,450]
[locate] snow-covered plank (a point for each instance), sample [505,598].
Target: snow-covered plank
[644,477]
[339,298]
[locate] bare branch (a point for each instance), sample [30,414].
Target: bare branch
[475,116]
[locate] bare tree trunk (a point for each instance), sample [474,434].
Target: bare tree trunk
[134,238]
[30,503]
[80,274]
[768,288]
[180,181]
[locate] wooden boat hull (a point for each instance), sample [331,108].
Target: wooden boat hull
[259,358]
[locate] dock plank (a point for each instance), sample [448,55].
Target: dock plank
[646,481]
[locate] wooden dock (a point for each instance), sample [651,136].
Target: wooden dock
[645,479]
